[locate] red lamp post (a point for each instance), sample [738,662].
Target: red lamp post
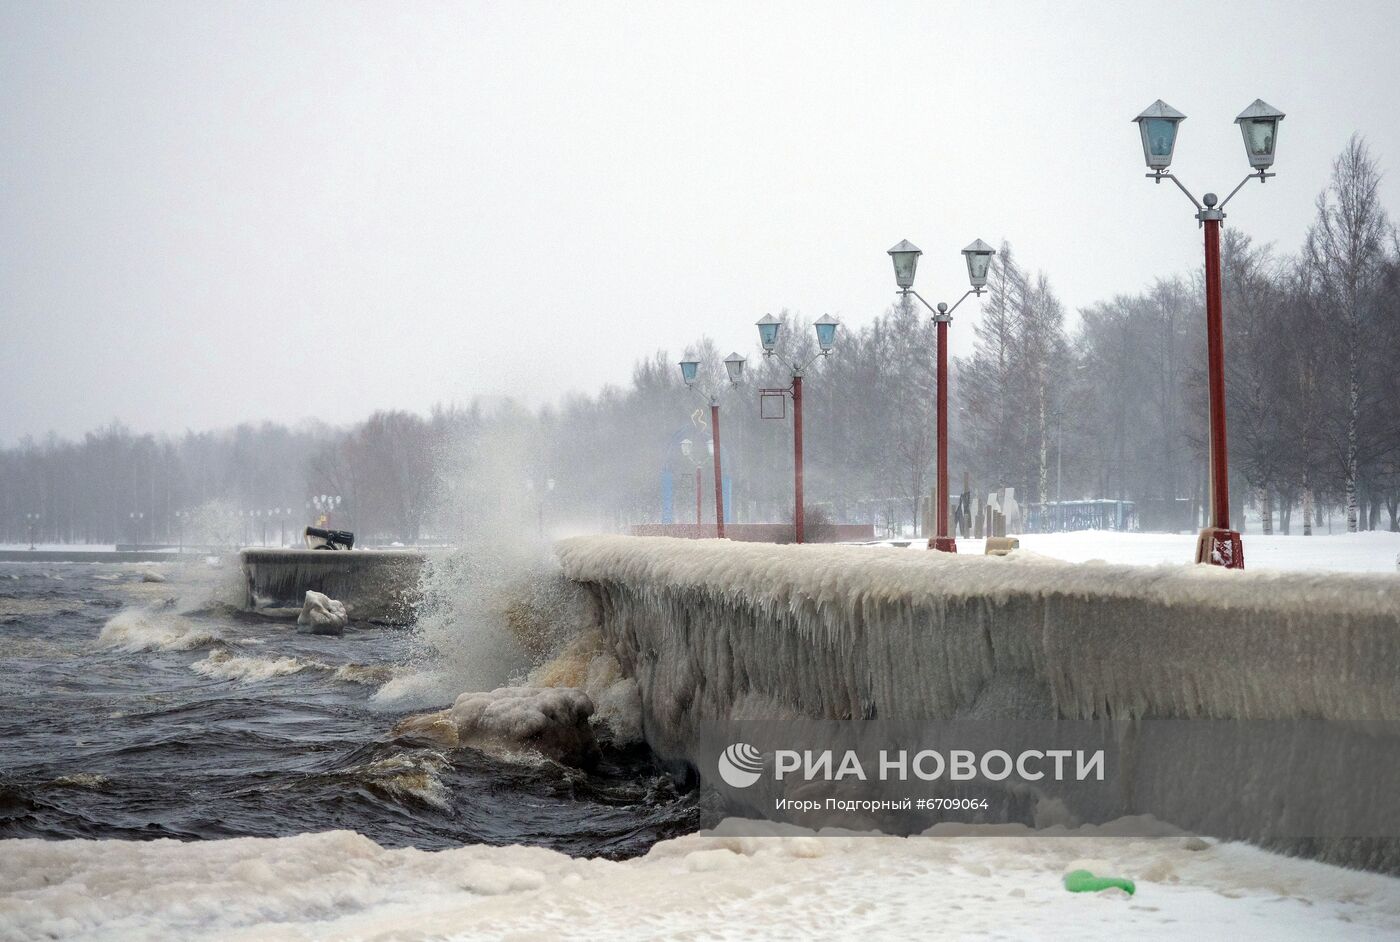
[799,513]
[719,476]
[978,256]
[690,373]
[768,327]
[943,541]
[688,450]
[1218,544]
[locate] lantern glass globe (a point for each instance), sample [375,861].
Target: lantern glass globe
[734,365]
[1158,125]
[978,256]
[905,257]
[1259,126]
[768,326]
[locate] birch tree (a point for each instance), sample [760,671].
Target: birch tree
[1345,248]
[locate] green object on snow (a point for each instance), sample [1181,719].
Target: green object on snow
[1082,881]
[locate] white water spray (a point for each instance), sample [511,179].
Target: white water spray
[497,605]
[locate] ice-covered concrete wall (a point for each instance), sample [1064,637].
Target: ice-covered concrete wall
[716,630]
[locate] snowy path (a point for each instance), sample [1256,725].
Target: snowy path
[341,885]
[1342,552]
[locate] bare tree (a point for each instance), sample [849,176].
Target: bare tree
[1314,417]
[1345,248]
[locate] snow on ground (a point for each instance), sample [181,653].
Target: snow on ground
[717,885]
[62,547]
[1374,551]
[83,548]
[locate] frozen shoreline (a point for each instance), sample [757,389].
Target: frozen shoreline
[712,885]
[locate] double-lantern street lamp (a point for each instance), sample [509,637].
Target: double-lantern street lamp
[690,374]
[768,327]
[1218,544]
[978,256]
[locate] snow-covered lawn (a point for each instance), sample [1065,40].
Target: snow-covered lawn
[706,886]
[1374,551]
[62,547]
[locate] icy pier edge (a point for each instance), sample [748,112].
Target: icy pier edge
[713,630]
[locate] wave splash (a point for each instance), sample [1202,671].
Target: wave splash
[415,776]
[146,630]
[224,664]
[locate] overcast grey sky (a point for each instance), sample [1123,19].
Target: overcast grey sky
[212,212]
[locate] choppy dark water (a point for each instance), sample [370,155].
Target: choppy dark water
[210,724]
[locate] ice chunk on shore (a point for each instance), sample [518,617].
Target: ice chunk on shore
[322,615]
[553,721]
[587,664]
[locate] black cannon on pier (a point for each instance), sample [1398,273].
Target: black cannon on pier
[319,539]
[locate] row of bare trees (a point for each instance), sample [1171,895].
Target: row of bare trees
[1111,405]
[253,483]
[1313,378]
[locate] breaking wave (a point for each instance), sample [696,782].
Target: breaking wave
[415,776]
[371,675]
[224,665]
[145,630]
[496,607]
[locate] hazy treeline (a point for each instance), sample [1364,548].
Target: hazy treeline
[1110,404]
[1115,407]
[246,484]
[1312,343]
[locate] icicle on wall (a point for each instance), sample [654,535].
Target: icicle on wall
[715,630]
